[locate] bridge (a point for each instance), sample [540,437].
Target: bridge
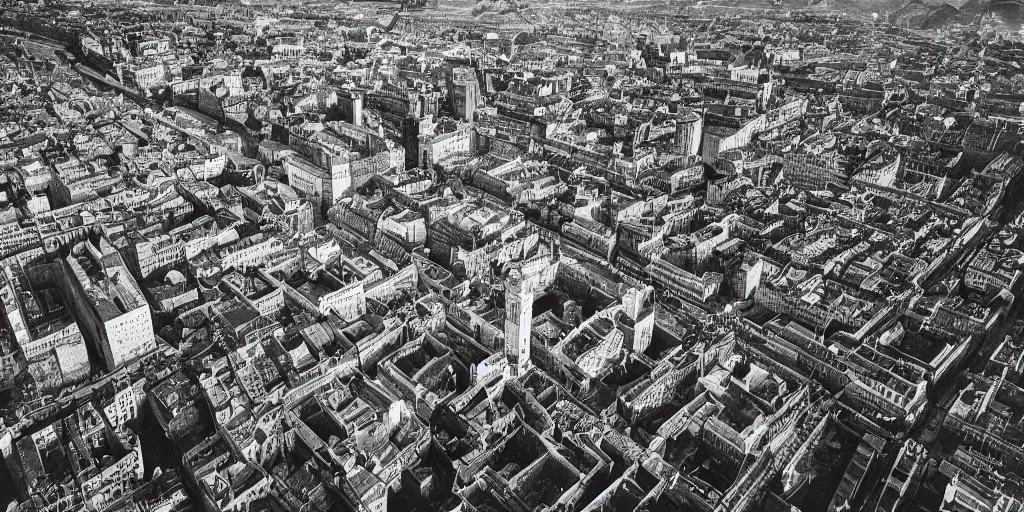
[109,81]
[9,31]
[28,41]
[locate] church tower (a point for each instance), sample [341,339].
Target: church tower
[518,322]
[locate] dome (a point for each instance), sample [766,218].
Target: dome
[174,277]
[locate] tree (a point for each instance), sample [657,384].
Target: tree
[1017,82]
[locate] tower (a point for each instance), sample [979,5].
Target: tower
[689,130]
[639,306]
[465,92]
[518,322]
[357,108]
[411,141]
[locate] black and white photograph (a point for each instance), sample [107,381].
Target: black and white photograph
[512,256]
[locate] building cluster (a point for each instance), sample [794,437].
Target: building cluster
[499,257]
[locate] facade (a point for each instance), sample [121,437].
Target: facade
[313,181]
[109,306]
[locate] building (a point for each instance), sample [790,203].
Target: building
[464,93]
[108,304]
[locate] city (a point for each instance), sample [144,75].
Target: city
[499,256]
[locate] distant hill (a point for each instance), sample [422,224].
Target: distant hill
[929,14]
[933,14]
[1010,14]
[497,6]
[920,14]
